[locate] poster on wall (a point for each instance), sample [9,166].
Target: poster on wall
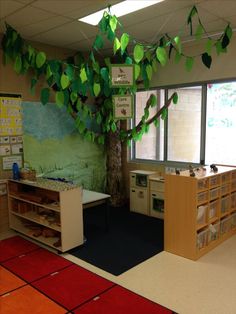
[122,75]
[11,131]
[122,106]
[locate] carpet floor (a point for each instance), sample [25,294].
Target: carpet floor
[63,287]
[131,239]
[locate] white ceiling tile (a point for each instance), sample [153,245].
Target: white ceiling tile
[27,16]
[38,28]
[9,6]
[70,33]
[222,8]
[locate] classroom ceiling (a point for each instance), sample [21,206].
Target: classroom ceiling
[55,22]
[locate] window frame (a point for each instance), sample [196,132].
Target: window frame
[165,161]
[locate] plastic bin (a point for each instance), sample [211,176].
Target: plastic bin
[202,239]
[213,232]
[233,221]
[225,189]
[225,177]
[214,193]
[201,214]
[202,184]
[214,181]
[213,206]
[233,201]
[202,197]
[225,204]
[225,225]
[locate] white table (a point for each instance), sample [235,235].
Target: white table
[91,199]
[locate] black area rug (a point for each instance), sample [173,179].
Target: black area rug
[131,239]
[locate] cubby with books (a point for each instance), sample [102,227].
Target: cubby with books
[200,210]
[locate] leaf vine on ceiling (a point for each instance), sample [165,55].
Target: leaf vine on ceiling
[76,78]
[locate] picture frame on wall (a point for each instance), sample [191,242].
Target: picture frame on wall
[123,106]
[122,75]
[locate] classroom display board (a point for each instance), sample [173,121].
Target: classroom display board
[11,140]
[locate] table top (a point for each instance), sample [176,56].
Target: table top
[91,196]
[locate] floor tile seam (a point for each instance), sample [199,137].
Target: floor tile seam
[92,298]
[25,253]
[12,290]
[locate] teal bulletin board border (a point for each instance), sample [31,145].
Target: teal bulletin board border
[132,107]
[122,66]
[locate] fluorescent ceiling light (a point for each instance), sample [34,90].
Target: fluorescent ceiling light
[119,9]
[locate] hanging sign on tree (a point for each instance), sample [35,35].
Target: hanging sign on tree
[122,106]
[122,75]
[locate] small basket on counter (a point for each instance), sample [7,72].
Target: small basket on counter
[28,174]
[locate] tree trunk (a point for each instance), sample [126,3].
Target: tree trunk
[115,180]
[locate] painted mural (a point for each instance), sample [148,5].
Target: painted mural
[55,149]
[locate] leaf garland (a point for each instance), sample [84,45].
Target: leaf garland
[78,77]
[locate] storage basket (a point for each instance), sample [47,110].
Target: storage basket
[28,175]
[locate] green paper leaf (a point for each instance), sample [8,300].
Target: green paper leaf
[206,60]
[199,32]
[99,118]
[128,60]
[189,63]
[146,113]
[229,31]
[18,65]
[116,45]
[149,71]
[177,41]
[33,83]
[79,104]
[98,43]
[40,59]
[164,114]
[96,67]
[101,139]
[82,127]
[154,65]
[48,72]
[104,74]
[45,93]
[70,71]
[161,55]
[178,57]
[96,89]
[73,97]
[83,75]
[107,61]
[175,98]
[136,71]
[209,46]
[225,41]
[65,81]
[103,24]
[153,100]
[113,127]
[124,41]
[219,48]
[110,35]
[60,99]
[156,123]
[113,23]
[138,53]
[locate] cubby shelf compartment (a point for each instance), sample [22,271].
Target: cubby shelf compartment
[52,208]
[199,211]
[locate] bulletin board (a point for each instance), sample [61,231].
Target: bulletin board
[11,133]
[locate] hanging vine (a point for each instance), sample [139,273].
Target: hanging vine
[74,79]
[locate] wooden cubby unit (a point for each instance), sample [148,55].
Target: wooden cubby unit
[200,211]
[47,211]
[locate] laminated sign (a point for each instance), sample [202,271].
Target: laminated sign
[122,106]
[122,75]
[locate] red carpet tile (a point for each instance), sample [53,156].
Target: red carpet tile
[36,264]
[15,246]
[27,300]
[119,300]
[8,281]
[72,286]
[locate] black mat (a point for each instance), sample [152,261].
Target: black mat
[131,239]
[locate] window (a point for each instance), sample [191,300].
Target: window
[221,123]
[199,129]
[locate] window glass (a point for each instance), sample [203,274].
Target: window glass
[184,125]
[221,123]
[151,146]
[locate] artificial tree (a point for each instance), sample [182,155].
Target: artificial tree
[77,80]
